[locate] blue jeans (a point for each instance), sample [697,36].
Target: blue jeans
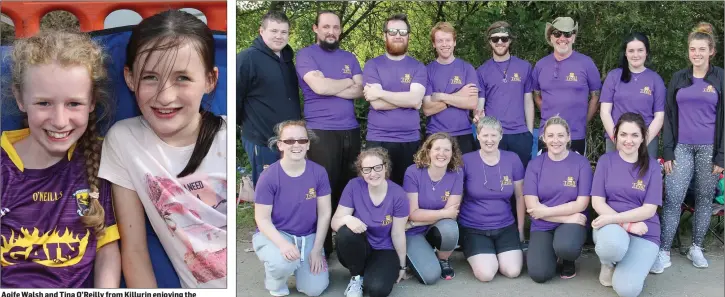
[259,157]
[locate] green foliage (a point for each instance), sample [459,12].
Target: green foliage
[602,26]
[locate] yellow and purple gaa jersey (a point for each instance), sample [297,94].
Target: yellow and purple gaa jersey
[43,243]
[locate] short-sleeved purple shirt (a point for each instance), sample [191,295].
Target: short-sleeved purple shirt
[293,199]
[697,113]
[565,87]
[431,195]
[620,184]
[505,100]
[448,79]
[557,183]
[321,111]
[486,202]
[378,218]
[644,94]
[400,124]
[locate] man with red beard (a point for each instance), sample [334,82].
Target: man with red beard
[331,80]
[394,87]
[452,90]
[564,80]
[506,92]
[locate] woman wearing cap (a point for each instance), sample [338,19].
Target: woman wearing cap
[556,189]
[693,144]
[563,80]
[370,224]
[434,185]
[634,88]
[490,235]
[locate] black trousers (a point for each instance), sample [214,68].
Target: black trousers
[564,242]
[379,268]
[401,155]
[466,143]
[520,144]
[336,151]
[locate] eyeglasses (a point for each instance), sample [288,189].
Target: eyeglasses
[393,32]
[558,33]
[496,39]
[376,168]
[292,141]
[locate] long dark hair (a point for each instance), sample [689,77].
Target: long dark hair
[166,32]
[623,63]
[642,152]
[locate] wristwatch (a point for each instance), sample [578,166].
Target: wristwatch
[403,267]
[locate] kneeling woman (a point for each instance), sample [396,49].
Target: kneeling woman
[434,185]
[490,237]
[556,189]
[292,210]
[626,191]
[370,224]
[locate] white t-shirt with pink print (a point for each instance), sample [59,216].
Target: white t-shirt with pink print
[189,213]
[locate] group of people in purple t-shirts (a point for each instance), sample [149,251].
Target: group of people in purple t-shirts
[401,208]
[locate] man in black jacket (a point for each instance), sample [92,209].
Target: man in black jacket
[267,91]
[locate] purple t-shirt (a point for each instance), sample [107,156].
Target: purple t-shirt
[645,95]
[561,183]
[327,112]
[619,183]
[44,243]
[378,218]
[293,199]
[418,181]
[400,124]
[486,202]
[697,106]
[565,87]
[505,100]
[448,79]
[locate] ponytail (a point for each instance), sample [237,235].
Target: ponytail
[95,215]
[210,126]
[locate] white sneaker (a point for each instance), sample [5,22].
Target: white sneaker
[605,275]
[663,261]
[281,292]
[695,255]
[354,287]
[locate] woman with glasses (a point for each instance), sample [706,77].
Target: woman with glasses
[434,185]
[370,224]
[634,88]
[556,200]
[292,211]
[490,236]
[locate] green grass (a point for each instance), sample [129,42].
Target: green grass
[245,215]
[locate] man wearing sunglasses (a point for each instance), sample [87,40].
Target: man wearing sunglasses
[394,85]
[506,92]
[331,80]
[564,80]
[452,90]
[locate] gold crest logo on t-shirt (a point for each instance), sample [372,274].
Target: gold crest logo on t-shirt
[311,194]
[388,220]
[506,181]
[456,80]
[709,89]
[570,182]
[446,195]
[646,90]
[516,77]
[346,69]
[406,78]
[572,77]
[639,185]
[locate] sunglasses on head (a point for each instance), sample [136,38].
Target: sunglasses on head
[377,168]
[558,33]
[496,39]
[292,141]
[393,32]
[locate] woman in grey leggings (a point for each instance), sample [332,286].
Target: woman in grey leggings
[434,185]
[693,144]
[626,191]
